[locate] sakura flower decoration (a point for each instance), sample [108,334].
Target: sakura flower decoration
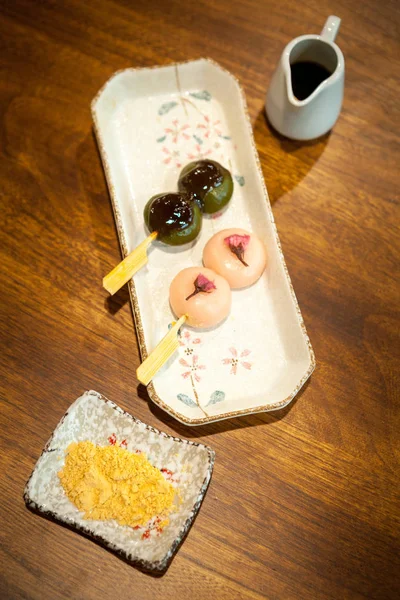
[187,341]
[202,284]
[192,369]
[199,153]
[177,131]
[209,127]
[237,245]
[172,156]
[237,360]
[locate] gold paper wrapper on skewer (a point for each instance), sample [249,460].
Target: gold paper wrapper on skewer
[127,268]
[161,353]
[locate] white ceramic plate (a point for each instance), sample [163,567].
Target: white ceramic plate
[187,465]
[149,124]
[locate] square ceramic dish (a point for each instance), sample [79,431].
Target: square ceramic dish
[187,465]
[150,123]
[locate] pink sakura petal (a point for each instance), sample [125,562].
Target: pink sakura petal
[195,359]
[216,122]
[175,139]
[168,130]
[207,119]
[196,341]
[186,374]
[197,378]
[181,343]
[245,353]
[201,367]
[233,351]
[234,369]
[165,150]
[185,127]
[183,362]
[178,164]
[175,122]
[206,285]
[167,160]
[227,361]
[237,244]
[237,240]
[246,365]
[201,126]
[218,132]
[191,156]
[186,136]
[207,135]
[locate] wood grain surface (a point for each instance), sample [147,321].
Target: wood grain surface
[304,503]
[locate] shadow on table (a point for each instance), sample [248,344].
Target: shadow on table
[197,431]
[100,216]
[284,162]
[114,303]
[100,211]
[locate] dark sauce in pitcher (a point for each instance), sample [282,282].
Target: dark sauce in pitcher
[306,77]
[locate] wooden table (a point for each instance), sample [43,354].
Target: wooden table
[303,502]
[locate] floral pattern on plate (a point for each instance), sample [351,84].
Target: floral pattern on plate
[236,360]
[193,368]
[208,140]
[187,465]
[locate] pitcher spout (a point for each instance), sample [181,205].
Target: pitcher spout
[303,87]
[291,98]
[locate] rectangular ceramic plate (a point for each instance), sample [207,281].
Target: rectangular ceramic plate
[149,124]
[187,465]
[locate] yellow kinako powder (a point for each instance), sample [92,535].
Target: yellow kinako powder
[112,483]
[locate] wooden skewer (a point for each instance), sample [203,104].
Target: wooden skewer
[161,353]
[128,267]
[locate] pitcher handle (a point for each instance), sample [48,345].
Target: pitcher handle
[331,28]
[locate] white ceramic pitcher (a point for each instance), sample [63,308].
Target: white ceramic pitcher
[315,115]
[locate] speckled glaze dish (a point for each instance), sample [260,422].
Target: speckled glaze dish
[150,123]
[187,465]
